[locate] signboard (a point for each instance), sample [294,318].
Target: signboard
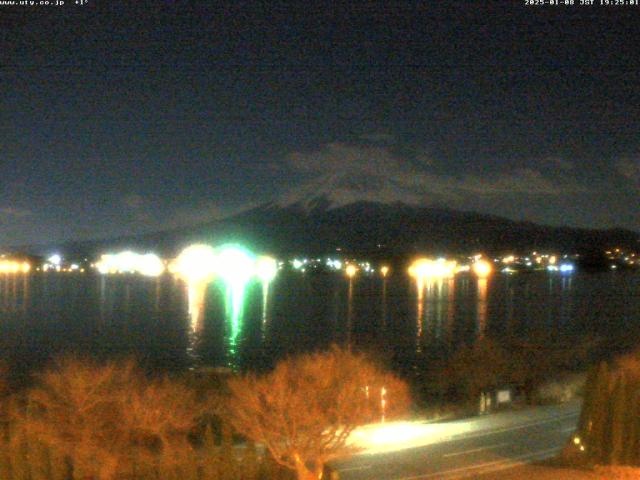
[503,396]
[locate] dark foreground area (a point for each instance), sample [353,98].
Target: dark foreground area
[551,471]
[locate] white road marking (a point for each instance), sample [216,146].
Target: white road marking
[473,450]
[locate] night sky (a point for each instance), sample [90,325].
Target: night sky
[127,117]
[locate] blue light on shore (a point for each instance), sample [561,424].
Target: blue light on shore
[567,268]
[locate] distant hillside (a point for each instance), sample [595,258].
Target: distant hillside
[369,228]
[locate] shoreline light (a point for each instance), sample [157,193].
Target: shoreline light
[424,268]
[196,263]
[12,266]
[266,269]
[351,270]
[567,268]
[482,268]
[234,265]
[149,265]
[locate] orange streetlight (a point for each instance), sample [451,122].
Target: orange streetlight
[351,271]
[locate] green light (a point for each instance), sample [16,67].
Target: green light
[235,308]
[235,266]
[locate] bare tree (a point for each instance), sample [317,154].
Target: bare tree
[306,408]
[107,417]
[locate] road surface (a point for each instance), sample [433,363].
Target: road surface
[462,448]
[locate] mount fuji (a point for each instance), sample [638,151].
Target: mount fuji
[323,219]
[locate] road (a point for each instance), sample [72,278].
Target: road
[462,448]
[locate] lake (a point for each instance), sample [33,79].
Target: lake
[48,314]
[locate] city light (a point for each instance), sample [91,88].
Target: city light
[351,270]
[129,262]
[482,268]
[12,266]
[266,269]
[116,263]
[196,263]
[334,264]
[384,270]
[234,265]
[567,268]
[149,265]
[428,268]
[55,260]
[366,267]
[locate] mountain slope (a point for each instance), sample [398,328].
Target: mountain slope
[377,229]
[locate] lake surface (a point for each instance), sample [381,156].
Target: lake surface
[47,314]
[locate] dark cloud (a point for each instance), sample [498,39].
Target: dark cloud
[379,138]
[133,201]
[347,173]
[13,212]
[561,164]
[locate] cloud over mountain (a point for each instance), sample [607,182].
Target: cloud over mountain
[346,173]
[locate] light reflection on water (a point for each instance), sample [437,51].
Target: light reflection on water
[481,317]
[14,292]
[435,312]
[383,317]
[234,308]
[174,325]
[420,318]
[350,311]
[265,304]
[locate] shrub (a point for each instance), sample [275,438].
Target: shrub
[304,411]
[109,419]
[609,423]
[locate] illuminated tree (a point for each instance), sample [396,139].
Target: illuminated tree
[306,408]
[105,418]
[609,424]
